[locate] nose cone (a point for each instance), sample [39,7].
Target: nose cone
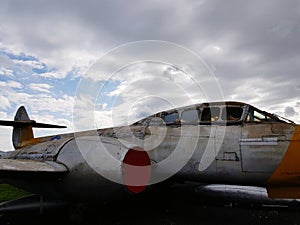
[136,169]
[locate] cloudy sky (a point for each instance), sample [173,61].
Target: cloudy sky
[46,48]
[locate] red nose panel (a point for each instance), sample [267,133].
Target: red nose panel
[137,169]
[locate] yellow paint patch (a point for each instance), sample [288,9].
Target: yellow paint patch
[285,181]
[31,141]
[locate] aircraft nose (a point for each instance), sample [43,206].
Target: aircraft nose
[136,169]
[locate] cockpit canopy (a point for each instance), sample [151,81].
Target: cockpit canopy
[228,113]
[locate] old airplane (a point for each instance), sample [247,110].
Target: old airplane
[214,143]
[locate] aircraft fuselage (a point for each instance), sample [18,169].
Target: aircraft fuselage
[223,142]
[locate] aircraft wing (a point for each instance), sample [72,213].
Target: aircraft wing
[25,165]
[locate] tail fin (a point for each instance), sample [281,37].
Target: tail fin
[22,132]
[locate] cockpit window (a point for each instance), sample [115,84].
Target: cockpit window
[210,114]
[232,113]
[190,116]
[171,117]
[257,116]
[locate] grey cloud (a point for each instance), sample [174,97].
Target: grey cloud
[290,111]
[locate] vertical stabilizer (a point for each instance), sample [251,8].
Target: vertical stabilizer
[22,134]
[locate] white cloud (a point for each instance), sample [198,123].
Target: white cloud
[4,102]
[4,116]
[54,75]
[40,87]
[31,63]
[44,102]
[5,139]
[51,119]
[6,72]
[11,84]
[5,133]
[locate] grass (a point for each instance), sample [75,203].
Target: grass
[8,192]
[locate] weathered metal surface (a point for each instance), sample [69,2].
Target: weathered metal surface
[261,149]
[263,141]
[31,166]
[82,180]
[41,151]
